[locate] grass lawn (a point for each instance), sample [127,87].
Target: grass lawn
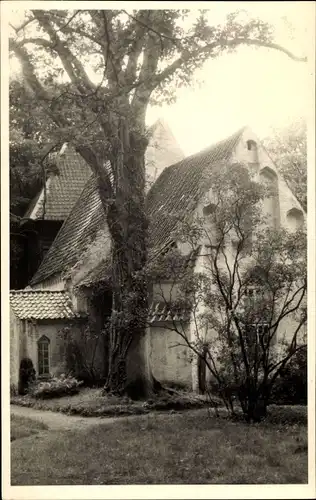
[164,449]
[24,427]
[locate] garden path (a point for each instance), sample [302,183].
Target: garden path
[61,421]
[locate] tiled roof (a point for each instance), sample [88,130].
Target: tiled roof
[160,311]
[174,194]
[38,304]
[84,221]
[177,190]
[167,266]
[63,189]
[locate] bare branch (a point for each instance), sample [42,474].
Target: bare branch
[23,25]
[72,65]
[184,58]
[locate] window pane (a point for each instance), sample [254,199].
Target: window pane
[43,358]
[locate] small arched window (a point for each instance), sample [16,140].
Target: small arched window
[271,202]
[43,356]
[253,151]
[295,219]
[209,209]
[211,232]
[251,145]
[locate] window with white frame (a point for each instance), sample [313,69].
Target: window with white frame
[257,332]
[43,352]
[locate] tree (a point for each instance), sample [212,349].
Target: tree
[288,148]
[253,280]
[30,164]
[138,58]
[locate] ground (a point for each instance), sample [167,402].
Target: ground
[24,426]
[186,448]
[91,403]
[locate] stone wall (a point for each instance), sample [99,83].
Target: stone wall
[15,328]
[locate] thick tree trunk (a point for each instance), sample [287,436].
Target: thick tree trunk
[129,371]
[255,407]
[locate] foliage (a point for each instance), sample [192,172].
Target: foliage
[31,162]
[81,350]
[253,279]
[291,385]
[90,402]
[26,375]
[29,136]
[56,387]
[134,59]
[288,148]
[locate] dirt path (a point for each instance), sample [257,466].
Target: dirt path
[61,421]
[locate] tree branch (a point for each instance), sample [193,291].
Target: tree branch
[72,65]
[23,25]
[186,57]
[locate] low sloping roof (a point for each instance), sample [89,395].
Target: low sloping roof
[174,194]
[63,189]
[38,304]
[160,311]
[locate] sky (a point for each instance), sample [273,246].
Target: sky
[261,88]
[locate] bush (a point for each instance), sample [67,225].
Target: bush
[80,355]
[291,386]
[27,375]
[56,387]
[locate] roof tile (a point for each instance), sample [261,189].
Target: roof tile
[161,312]
[38,304]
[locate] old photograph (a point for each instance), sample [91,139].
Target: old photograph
[158,243]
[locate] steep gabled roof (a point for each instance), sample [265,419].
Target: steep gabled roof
[81,226]
[178,188]
[175,192]
[62,190]
[38,304]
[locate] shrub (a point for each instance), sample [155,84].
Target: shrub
[56,387]
[27,375]
[81,348]
[291,385]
